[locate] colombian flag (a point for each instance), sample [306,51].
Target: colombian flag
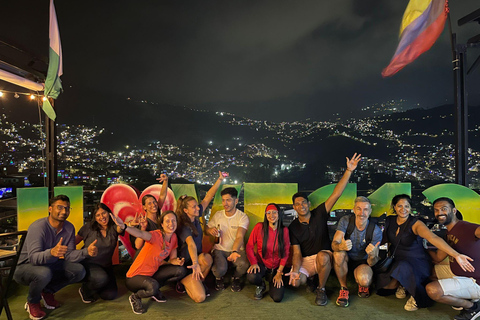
[422,23]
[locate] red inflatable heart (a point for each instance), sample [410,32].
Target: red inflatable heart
[125,201]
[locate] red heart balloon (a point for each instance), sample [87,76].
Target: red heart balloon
[123,200]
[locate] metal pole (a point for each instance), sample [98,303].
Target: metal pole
[461,115]
[51,148]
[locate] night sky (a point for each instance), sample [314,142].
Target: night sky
[271,60]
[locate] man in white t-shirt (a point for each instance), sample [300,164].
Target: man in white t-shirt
[230,225]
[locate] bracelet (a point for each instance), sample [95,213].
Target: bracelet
[349,170]
[235,251]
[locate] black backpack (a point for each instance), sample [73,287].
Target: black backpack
[368,234]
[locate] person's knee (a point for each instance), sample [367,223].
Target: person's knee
[363,275]
[199,297]
[339,258]
[206,259]
[75,272]
[181,272]
[434,290]
[323,259]
[108,294]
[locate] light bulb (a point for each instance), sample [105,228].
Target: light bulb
[16,96]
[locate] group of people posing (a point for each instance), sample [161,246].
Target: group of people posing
[169,248]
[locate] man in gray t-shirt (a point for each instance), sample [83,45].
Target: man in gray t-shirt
[353,252]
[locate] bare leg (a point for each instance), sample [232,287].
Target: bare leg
[324,265]
[195,288]
[341,267]
[435,292]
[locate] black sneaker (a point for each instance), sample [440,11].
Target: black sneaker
[180,288]
[159,297]
[85,299]
[469,314]
[321,298]
[136,304]
[259,291]
[219,285]
[207,291]
[236,285]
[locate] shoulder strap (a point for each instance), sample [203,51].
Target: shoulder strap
[351,227]
[370,230]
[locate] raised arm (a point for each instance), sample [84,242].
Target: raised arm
[213,190]
[338,190]
[163,193]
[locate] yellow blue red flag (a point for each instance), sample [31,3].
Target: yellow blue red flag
[422,24]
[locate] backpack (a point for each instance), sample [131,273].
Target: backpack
[368,234]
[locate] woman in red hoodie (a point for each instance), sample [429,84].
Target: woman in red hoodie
[268,261]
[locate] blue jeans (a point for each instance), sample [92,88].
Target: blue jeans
[49,278]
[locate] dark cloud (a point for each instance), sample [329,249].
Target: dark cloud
[278,58]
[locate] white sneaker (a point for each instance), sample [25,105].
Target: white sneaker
[401,293]
[411,304]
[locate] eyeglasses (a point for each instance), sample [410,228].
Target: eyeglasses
[60,208]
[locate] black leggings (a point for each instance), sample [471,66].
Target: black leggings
[145,286]
[99,280]
[257,279]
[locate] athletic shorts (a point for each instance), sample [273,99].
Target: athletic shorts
[460,287]
[309,264]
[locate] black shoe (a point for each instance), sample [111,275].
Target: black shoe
[219,285]
[259,291]
[180,288]
[236,285]
[85,299]
[469,314]
[136,304]
[207,291]
[159,297]
[321,298]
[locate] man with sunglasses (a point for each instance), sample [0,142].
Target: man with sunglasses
[49,260]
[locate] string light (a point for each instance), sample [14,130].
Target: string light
[44,98]
[16,95]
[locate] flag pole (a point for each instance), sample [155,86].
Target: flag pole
[461,107]
[51,154]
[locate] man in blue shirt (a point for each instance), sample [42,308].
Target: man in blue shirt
[356,248]
[49,261]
